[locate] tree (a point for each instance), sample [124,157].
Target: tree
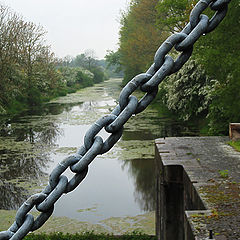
[79,61]
[9,55]
[139,37]
[173,15]
[188,93]
[219,53]
[90,57]
[113,59]
[27,66]
[32,49]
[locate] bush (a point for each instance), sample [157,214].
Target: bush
[189,91]
[98,74]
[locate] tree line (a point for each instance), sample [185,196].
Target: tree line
[206,89]
[30,74]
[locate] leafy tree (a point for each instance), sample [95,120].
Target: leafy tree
[173,15]
[189,92]
[79,61]
[114,59]
[98,74]
[10,71]
[139,37]
[27,66]
[90,58]
[77,75]
[83,78]
[219,53]
[29,71]
[113,64]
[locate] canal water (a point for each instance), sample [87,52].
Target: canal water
[119,185]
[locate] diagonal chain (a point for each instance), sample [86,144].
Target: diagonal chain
[113,123]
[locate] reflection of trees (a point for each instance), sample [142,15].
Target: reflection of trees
[148,127]
[11,196]
[52,108]
[24,153]
[143,172]
[170,128]
[136,135]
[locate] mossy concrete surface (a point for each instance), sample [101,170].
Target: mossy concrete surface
[210,182]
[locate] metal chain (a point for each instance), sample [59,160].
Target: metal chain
[129,105]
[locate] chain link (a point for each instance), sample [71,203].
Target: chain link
[129,105]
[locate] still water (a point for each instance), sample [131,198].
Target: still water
[119,183]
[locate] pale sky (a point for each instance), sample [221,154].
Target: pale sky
[74,26]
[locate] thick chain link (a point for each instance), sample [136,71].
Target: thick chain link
[129,105]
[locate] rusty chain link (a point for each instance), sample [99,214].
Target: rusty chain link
[129,105]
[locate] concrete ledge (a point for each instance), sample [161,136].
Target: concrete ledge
[188,168]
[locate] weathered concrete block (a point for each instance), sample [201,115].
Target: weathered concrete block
[189,186]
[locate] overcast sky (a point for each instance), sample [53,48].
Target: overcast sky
[74,26]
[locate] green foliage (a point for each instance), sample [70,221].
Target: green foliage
[235,145]
[225,106]
[98,74]
[188,92]
[222,46]
[173,15]
[85,68]
[193,92]
[113,58]
[223,173]
[219,54]
[222,98]
[114,66]
[87,236]
[139,37]
[76,77]
[27,66]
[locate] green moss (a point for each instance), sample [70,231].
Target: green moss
[235,145]
[223,200]
[223,173]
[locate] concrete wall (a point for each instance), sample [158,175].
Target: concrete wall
[176,196]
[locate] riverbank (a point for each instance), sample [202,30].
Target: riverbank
[21,105]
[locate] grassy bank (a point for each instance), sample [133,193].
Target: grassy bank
[88,236]
[235,145]
[38,99]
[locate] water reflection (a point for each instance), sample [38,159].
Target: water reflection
[143,173]
[24,156]
[11,195]
[138,151]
